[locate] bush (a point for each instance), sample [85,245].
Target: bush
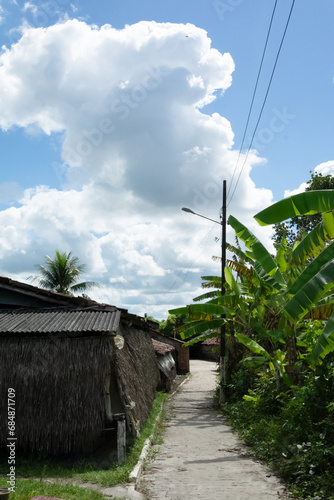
[291,430]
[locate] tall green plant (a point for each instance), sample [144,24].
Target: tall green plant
[317,279]
[277,293]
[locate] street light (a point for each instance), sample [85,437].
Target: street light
[222,359]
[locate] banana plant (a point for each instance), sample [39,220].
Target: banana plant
[317,280]
[276,362]
[276,294]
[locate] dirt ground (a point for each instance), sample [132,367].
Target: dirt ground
[200,457]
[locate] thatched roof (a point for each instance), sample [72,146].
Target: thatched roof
[161,348]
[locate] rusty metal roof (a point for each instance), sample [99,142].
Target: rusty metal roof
[161,347]
[59,321]
[213,341]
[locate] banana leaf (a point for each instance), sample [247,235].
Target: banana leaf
[324,344]
[201,310]
[252,345]
[239,268]
[211,282]
[321,311]
[267,280]
[258,251]
[316,240]
[231,281]
[208,295]
[326,256]
[283,256]
[201,338]
[215,297]
[199,327]
[215,279]
[254,362]
[307,203]
[309,295]
[230,301]
[239,253]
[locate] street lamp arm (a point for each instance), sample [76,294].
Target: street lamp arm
[199,215]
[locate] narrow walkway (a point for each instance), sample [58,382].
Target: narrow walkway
[200,457]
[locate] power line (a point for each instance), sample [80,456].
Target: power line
[264,101]
[253,97]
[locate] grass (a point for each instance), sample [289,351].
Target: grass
[28,488]
[32,471]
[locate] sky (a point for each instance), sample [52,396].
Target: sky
[116,114]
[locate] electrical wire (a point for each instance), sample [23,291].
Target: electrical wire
[172,289]
[264,101]
[253,97]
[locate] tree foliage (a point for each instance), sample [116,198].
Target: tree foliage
[298,225]
[62,274]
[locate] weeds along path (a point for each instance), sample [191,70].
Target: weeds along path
[200,457]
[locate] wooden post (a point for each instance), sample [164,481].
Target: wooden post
[121,438]
[222,361]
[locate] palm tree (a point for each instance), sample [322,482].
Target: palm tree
[62,273]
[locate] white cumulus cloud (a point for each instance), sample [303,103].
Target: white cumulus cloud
[326,168]
[137,145]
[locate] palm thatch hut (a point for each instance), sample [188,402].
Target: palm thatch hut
[71,381]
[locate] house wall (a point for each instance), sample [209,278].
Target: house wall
[137,375]
[59,386]
[68,387]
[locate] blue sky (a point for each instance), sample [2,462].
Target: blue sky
[118,205]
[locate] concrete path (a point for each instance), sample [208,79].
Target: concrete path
[200,457]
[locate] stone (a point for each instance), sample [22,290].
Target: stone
[41,497]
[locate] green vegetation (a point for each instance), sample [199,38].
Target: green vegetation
[291,429]
[302,224]
[168,326]
[278,312]
[32,471]
[62,273]
[26,489]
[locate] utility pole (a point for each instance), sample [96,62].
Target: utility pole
[222,343]
[222,359]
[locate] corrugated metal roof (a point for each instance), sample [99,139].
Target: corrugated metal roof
[59,321]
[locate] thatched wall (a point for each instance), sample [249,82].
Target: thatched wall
[59,385]
[137,374]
